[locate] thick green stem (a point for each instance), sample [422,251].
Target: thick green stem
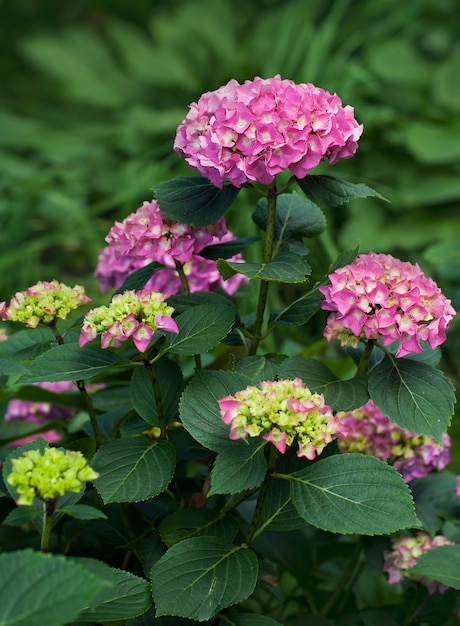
[158,397]
[366,356]
[255,522]
[80,384]
[268,251]
[48,510]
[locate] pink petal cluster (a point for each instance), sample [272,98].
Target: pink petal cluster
[404,553]
[382,298]
[43,303]
[284,411]
[135,314]
[371,432]
[40,413]
[252,131]
[148,235]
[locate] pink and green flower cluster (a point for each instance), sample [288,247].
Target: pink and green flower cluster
[135,314]
[252,131]
[43,303]
[370,432]
[49,475]
[283,412]
[404,553]
[382,298]
[148,235]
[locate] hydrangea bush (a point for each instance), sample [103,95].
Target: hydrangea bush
[201,469]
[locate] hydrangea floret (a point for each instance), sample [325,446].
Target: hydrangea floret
[43,303]
[370,432]
[136,314]
[404,553]
[148,235]
[252,131]
[48,475]
[282,411]
[381,298]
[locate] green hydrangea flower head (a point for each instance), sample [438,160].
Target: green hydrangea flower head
[48,475]
[43,303]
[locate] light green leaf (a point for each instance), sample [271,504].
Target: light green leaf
[186,523]
[296,217]
[325,189]
[9,367]
[286,267]
[198,577]
[133,469]
[201,328]
[199,409]
[441,564]
[69,362]
[239,466]
[194,200]
[37,588]
[341,395]
[128,595]
[353,494]
[418,397]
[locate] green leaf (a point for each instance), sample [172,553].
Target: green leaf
[258,367]
[227,249]
[353,494]
[198,577]
[82,511]
[278,513]
[239,466]
[142,394]
[133,469]
[37,588]
[138,279]
[69,362]
[325,189]
[418,397]
[186,523]
[199,409]
[20,516]
[248,619]
[296,217]
[286,267]
[194,200]
[26,345]
[9,367]
[128,595]
[441,564]
[183,301]
[299,311]
[341,395]
[201,328]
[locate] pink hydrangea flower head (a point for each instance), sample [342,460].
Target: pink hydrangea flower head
[135,314]
[382,298]
[148,235]
[252,131]
[370,432]
[43,303]
[404,553]
[282,411]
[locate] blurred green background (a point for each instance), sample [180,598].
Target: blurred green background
[93,90]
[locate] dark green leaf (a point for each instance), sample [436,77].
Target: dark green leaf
[9,367]
[286,267]
[353,494]
[133,469]
[296,217]
[194,200]
[26,345]
[341,395]
[69,362]
[418,397]
[325,189]
[171,385]
[248,619]
[278,512]
[441,564]
[183,301]
[227,249]
[37,588]
[82,511]
[199,409]
[138,279]
[258,367]
[20,516]
[299,311]
[239,466]
[198,577]
[200,329]
[186,523]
